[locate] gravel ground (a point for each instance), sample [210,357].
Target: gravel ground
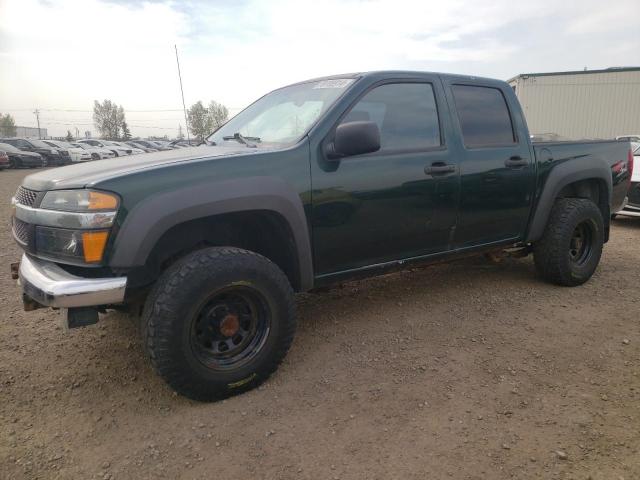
[470,370]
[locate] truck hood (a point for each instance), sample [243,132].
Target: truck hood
[90,173]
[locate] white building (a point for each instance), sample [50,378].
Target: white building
[595,104]
[30,132]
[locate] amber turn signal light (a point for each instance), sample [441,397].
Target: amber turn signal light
[102,201]
[93,244]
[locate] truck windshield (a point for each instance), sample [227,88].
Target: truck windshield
[283,116]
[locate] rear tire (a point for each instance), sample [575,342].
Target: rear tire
[218,322]
[570,248]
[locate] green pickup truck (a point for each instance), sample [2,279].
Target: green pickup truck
[314,183]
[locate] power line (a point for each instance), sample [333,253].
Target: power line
[91,124]
[91,111]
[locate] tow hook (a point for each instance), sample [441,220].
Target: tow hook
[29,304]
[79,317]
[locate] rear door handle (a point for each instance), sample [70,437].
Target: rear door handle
[516,162]
[439,169]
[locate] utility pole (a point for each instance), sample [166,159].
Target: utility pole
[184,107]
[37,114]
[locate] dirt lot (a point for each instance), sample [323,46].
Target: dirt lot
[471,370]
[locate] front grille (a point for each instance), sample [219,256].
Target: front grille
[26,197]
[23,232]
[634,194]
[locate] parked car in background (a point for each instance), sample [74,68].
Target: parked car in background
[183,142]
[18,158]
[4,159]
[118,150]
[629,138]
[77,154]
[632,206]
[547,137]
[141,147]
[149,144]
[163,144]
[134,150]
[52,156]
[97,153]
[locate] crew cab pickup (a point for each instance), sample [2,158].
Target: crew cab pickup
[313,184]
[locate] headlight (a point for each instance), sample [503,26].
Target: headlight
[72,245]
[53,152]
[79,201]
[72,225]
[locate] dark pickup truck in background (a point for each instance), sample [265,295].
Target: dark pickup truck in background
[312,184]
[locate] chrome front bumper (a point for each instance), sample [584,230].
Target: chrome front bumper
[49,285]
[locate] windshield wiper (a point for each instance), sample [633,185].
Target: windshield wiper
[248,141]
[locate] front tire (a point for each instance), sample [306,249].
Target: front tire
[570,248]
[218,322]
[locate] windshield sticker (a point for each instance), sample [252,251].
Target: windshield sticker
[334,83]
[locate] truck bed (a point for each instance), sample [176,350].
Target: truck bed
[614,153]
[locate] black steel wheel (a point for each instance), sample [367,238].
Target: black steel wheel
[581,243]
[218,322]
[230,328]
[570,248]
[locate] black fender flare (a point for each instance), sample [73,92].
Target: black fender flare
[564,173]
[152,217]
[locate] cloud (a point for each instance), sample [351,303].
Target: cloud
[65,54]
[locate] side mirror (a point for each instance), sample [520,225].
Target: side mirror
[354,138]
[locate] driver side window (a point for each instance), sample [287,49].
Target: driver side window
[405,113]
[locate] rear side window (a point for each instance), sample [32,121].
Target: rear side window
[484,116]
[406,115]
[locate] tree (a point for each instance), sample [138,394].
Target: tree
[126,133]
[69,137]
[219,114]
[7,126]
[180,133]
[200,122]
[108,118]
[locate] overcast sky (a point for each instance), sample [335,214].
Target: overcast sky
[60,55]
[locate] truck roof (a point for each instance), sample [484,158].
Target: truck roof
[382,74]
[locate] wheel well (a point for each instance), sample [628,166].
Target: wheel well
[593,189]
[261,231]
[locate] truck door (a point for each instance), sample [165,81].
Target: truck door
[497,172]
[396,203]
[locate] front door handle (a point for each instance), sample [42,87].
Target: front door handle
[516,162]
[439,168]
